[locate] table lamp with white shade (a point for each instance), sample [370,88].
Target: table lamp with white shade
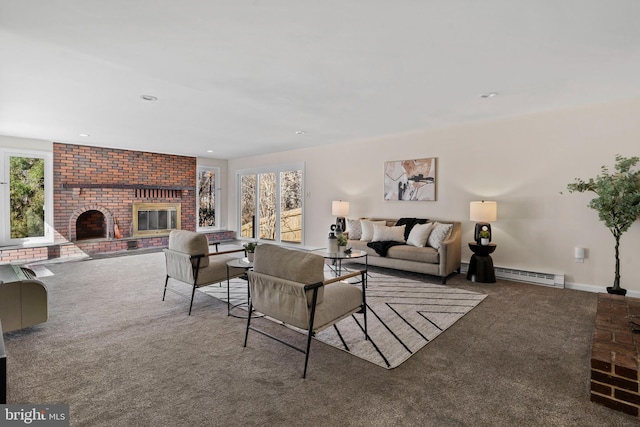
[483,212]
[340,209]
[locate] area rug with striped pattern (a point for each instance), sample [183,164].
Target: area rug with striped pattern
[403,315]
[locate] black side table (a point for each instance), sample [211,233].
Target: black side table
[481,264]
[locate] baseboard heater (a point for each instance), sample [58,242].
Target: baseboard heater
[537,278]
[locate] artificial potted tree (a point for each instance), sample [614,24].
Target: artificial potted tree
[617,202]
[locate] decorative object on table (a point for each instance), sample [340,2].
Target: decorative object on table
[485,236]
[340,209]
[342,242]
[348,251]
[250,248]
[332,243]
[410,179]
[617,203]
[482,212]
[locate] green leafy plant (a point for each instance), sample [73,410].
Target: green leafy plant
[617,202]
[250,247]
[484,234]
[342,240]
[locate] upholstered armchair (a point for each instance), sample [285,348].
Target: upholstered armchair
[289,286]
[188,260]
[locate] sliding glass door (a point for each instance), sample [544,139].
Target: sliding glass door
[271,204]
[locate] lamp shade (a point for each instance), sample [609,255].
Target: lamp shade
[339,208]
[483,211]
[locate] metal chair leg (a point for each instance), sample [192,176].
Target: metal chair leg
[193,293]
[165,287]
[246,334]
[306,353]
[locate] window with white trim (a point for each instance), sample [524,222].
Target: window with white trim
[208,198]
[26,197]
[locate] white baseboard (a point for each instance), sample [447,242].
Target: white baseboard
[596,289]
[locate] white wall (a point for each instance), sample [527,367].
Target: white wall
[25,143]
[522,163]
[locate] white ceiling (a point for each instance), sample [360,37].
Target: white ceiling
[240,77]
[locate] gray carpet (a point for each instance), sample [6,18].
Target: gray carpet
[119,356]
[404,315]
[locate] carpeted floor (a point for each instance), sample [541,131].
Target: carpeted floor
[119,356]
[404,315]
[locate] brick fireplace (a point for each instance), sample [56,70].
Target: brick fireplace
[95,190]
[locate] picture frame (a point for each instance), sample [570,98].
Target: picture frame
[410,180]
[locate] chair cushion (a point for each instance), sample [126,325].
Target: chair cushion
[191,243]
[284,300]
[290,264]
[216,271]
[340,301]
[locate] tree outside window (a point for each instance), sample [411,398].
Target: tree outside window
[207,197]
[271,204]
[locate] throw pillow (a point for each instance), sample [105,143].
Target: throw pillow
[410,222]
[419,234]
[439,233]
[354,229]
[382,233]
[367,228]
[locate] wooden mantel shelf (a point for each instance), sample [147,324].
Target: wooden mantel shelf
[68,185]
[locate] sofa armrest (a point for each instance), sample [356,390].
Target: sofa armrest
[451,252]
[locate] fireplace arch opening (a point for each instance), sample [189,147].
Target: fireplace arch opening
[91,224]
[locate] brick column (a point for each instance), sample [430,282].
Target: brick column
[614,355]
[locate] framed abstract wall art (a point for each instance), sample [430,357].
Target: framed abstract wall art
[410,179]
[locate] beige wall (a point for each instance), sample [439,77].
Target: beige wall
[522,163]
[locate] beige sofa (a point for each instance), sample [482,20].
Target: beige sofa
[440,262]
[23,303]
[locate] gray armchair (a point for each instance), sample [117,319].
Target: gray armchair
[289,286]
[188,260]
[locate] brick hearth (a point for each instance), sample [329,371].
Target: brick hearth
[615,355]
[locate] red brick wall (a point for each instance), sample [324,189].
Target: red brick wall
[106,180]
[615,354]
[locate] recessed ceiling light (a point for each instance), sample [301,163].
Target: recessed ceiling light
[84,134]
[488,95]
[300,132]
[149,97]
[209,151]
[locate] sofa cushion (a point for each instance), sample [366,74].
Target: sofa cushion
[412,253]
[382,233]
[361,245]
[367,228]
[354,229]
[439,233]
[419,234]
